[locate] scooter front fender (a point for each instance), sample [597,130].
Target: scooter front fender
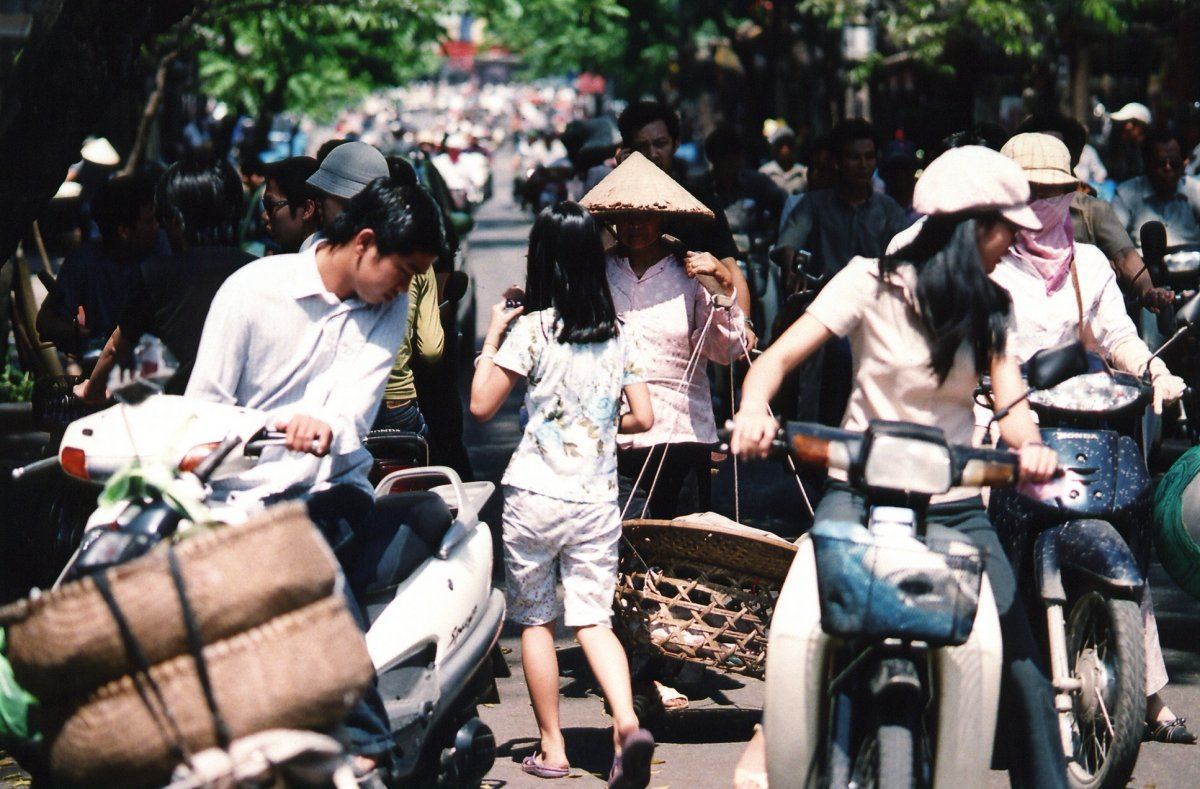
[1090,548]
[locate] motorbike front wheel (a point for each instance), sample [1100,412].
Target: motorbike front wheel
[885,759]
[1106,647]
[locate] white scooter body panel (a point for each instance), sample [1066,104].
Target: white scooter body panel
[437,603]
[163,428]
[966,678]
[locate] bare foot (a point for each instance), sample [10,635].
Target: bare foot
[751,770]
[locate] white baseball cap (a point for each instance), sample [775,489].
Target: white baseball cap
[1133,111]
[975,178]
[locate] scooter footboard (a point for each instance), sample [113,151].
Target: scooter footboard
[795,672]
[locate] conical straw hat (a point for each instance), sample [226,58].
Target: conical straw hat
[637,186]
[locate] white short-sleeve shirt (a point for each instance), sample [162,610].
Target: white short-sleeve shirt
[573,396]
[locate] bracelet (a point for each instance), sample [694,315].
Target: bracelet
[484,355]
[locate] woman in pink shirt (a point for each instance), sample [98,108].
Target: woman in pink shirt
[678,310]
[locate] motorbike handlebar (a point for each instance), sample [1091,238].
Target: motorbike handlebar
[36,469]
[267,438]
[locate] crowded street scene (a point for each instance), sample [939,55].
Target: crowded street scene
[670,393]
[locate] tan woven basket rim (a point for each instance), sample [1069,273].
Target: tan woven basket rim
[718,545]
[199,545]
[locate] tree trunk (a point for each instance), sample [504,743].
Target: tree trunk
[141,142]
[1081,77]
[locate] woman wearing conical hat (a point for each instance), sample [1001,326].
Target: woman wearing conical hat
[679,307]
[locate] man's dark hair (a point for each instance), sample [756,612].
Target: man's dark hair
[721,143]
[1159,135]
[641,114]
[851,129]
[405,219]
[205,198]
[291,176]
[328,146]
[566,271]
[119,201]
[252,165]
[402,172]
[1073,135]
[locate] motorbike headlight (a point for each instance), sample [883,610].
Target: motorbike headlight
[908,464]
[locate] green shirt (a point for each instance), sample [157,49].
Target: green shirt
[424,331]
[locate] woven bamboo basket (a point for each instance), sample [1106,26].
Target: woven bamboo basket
[700,591]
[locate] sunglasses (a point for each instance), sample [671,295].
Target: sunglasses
[269,208]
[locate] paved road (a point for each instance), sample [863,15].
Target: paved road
[700,747]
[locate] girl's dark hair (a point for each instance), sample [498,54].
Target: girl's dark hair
[405,219]
[567,272]
[956,301]
[206,199]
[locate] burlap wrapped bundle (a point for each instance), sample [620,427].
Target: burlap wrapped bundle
[302,670]
[65,642]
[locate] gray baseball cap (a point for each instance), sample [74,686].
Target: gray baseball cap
[348,169]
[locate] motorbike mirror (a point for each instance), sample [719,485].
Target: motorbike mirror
[1153,236]
[1189,313]
[1051,366]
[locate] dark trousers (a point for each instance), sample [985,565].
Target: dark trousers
[684,484]
[1028,728]
[405,417]
[376,542]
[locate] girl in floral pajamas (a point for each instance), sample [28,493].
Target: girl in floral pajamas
[560,489]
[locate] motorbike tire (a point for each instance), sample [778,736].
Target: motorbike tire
[885,758]
[1112,658]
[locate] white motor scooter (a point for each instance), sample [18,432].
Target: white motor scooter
[884,659]
[433,637]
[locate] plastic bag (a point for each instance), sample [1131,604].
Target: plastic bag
[16,703]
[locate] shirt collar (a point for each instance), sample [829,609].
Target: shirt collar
[308,280]
[622,263]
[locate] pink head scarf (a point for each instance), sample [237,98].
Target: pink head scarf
[1051,249]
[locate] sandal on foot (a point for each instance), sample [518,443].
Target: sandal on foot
[631,767]
[1171,732]
[531,765]
[672,700]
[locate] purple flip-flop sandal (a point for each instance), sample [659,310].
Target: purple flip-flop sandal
[531,765]
[631,768]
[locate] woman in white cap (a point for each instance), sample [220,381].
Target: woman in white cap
[924,323]
[1062,290]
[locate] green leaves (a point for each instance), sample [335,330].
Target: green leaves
[312,56]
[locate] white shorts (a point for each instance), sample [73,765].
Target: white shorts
[545,537]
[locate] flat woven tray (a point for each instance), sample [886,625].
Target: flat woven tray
[700,591]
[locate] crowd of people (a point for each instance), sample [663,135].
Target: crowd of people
[902,277]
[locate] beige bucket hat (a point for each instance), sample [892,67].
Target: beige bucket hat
[638,186]
[1044,159]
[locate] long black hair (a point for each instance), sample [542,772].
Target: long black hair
[566,271]
[956,301]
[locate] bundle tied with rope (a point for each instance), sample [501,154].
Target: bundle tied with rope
[193,646]
[700,588]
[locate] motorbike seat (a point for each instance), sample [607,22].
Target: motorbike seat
[397,446]
[409,529]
